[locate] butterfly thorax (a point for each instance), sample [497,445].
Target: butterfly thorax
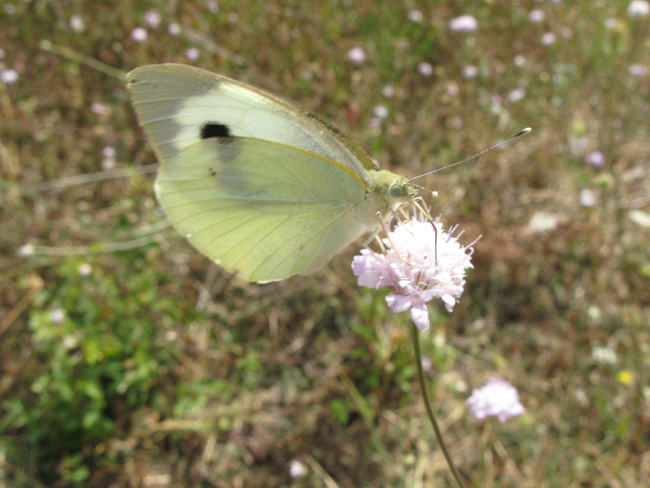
[391,189]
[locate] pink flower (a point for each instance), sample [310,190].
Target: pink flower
[536,15]
[410,266]
[548,39]
[464,23]
[469,72]
[638,8]
[357,55]
[425,69]
[595,158]
[139,34]
[587,198]
[9,76]
[497,398]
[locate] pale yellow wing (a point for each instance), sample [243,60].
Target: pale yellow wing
[178,105]
[262,209]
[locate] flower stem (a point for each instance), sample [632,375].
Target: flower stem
[427,404]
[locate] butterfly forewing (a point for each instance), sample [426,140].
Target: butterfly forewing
[175,102]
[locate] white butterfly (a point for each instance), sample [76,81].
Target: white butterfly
[259,185]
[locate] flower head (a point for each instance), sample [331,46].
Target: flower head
[497,398]
[464,23]
[9,76]
[595,158]
[638,8]
[139,34]
[420,264]
[357,55]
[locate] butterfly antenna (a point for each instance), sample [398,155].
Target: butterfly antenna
[525,131]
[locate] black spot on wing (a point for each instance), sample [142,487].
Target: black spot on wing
[214,129]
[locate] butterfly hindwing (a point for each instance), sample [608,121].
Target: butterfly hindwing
[260,208]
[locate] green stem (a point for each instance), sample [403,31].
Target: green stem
[427,404]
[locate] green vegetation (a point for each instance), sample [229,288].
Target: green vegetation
[127,359]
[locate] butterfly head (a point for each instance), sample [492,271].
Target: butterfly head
[396,190]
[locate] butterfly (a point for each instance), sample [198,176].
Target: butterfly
[256,183]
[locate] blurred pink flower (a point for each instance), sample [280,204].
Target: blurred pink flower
[595,158]
[380,112]
[587,198]
[415,16]
[470,71]
[9,76]
[77,24]
[174,29]
[516,95]
[548,39]
[425,69]
[357,55]
[637,70]
[497,398]
[464,23]
[536,15]
[410,267]
[152,18]
[57,315]
[638,8]
[192,53]
[139,34]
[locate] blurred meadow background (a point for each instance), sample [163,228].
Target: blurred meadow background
[127,359]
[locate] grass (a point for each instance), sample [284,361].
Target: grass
[127,359]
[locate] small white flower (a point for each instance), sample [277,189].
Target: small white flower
[637,70]
[609,23]
[516,95]
[464,23]
[497,398]
[537,15]
[388,91]
[297,469]
[85,269]
[548,39]
[139,34]
[419,265]
[638,8]
[519,60]
[109,152]
[469,72]
[357,55]
[9,76]
[425,69]
[595,158]
[174,29]
[77,24]
[152,18]
[99,108]
[192,53]
[578,144]
[427,364]
[57,315]
[587,198]
[543,222]
[381,112]
[415,16]
[374,123]
[26,250]
[604,355]
[213,6]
